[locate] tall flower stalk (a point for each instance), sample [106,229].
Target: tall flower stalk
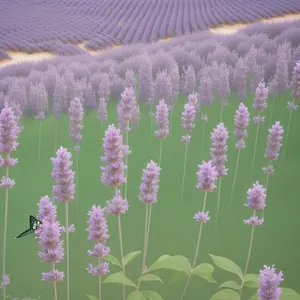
[98,232]
[113,175]
[9,131]
[64,191]
[162,122]
[207,176]
[241,122]
[256,201]
[188,117]
[148,194]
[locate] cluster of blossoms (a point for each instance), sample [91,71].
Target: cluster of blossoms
[260,102]
[241,121]
[76,119]
[295,85]
[256,201]
[162,121]
[188,117]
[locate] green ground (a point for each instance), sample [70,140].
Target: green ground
[173,231]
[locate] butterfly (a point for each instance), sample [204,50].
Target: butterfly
[33,226]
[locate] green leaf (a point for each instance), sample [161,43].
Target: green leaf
[231,285]
[150,277]
[152,295]
[177,276]
[227,265]
[113,260]
[136,295]
[251,281]
[118,278]
[226,295]
[289,294]
[91,297]
[254,297]
[131,256]
[204,270]
[177,262]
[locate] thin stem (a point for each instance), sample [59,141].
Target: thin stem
[219,196]
[184,170]
[221,114]
[5,229]
[151,118]
[287,133]
[160,152]
[248,256]
[122,254]
[77,179]
[54,283]
[40,142]
[56,136]
[67,250]
[266,189]
[234,178]
[197,248]
[203,132]
[126,160]
[99,282]
[272,110]
[255,148]
[171,121]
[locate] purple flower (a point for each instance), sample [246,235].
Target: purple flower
[47,210]
[256,197]
[207,176]
[269,282]
[202,217]
[274,141]
[102,110]
[193,99]
[292,106]
[268,170]
[7,183]
[64,189]
[99,251]
[100,270]
[261,95]
[149,186]
[295,83]
[241,122]
[76,119]
[254,220]
[218,150]
[53,276]
[5,281]
[186,139]
[115,151]
[204,118]
[259,120]
[117,206]
[162,121]
[9,130]
[98,230]
[8,162]
[188,117]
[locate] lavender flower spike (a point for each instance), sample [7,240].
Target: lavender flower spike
[117,206]
[207,176]
[274,141]
[261,95]
[188,117]
[241,122]
[269,282]
[162,122]
[76,119]
[256,197]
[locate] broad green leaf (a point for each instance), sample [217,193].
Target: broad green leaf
[177,262]
[118,278]
[136,295]
[152,295]
[254,297]
[289,294]
[227,265]
[204,270]
[226,295]
[150,277]
[91,297]
[113,260]
[131,256]
[251,281]
[178,276]
[231,285]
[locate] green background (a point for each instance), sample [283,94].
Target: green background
[173,230]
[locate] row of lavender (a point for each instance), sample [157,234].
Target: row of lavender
[113,175]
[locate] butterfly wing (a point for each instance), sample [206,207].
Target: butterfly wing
[24,233]
[34,223]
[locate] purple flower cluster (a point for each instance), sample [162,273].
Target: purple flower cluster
[295,83]
[64,189]
[149,186]
[98,232]
[193,99]
[115,151]
[201,217]
[274,141]
[102,110]
[162,121]
[207,176]
[269,282]
[218,150]
[76,119]
[117,206]
[241,121]
[188,117]
[261,95]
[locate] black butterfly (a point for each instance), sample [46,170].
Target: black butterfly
[33,226]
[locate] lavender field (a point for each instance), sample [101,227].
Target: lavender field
[152,171]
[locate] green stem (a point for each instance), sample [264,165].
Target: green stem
[40,142]
[203,132]
[160,152]
[126,160]
[287,133]
[184,170]
[67,249]
[77,179]
[272,111]
[171,121]
[234,178]
[255,148]
[151,118]
[54,283]
[122,254]
[99,282]
[56,136]
[218,204]
[197,248]
[221,114]
[249,254]
[5,229]
[266,189]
